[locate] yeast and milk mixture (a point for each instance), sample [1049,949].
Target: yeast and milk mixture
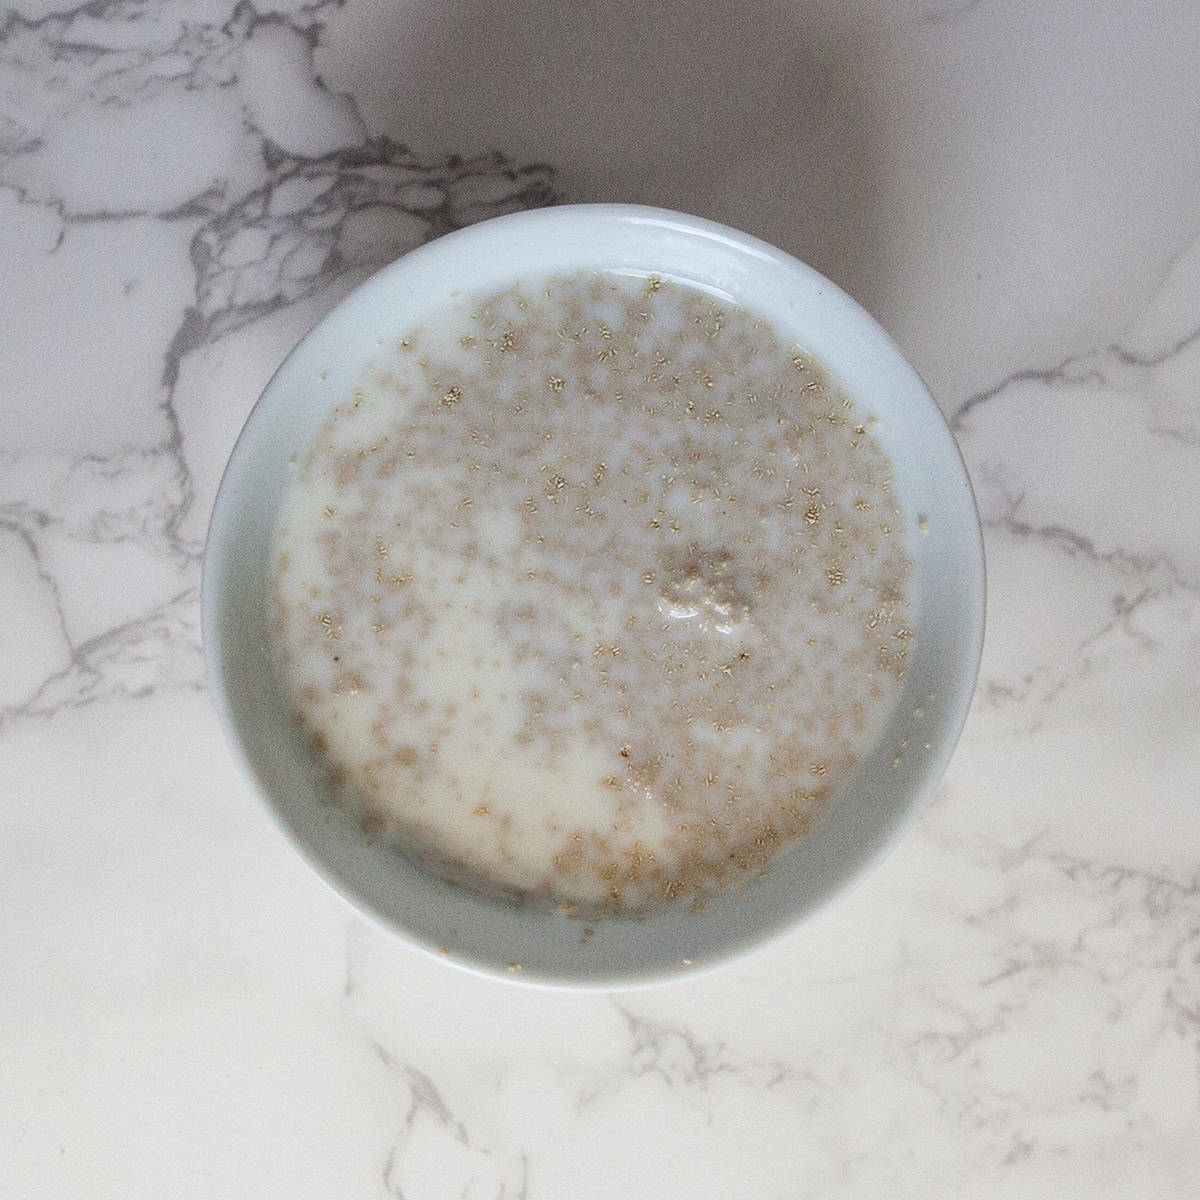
[593,592]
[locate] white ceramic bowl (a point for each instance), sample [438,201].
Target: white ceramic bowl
[946,592]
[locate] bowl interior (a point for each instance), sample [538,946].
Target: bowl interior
[946,594]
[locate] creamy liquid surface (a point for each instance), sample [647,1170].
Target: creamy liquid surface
[592,592]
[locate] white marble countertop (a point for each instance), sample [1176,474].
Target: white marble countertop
[1008,1007]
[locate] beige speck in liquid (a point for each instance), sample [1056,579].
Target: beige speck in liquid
[586,636]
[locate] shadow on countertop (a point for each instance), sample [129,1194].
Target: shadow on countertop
[753,115]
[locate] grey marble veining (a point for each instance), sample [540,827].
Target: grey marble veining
[1008,1007]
